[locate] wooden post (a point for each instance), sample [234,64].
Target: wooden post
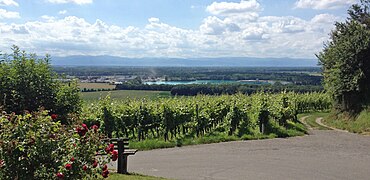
[121,159]
[125,157]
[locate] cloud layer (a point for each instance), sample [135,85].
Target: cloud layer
[323,4]
[4,14]
[80,2]
[231,29]
[8,3]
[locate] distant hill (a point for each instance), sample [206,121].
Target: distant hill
[191,62]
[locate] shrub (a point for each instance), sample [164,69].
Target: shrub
[36,146]
[27,82]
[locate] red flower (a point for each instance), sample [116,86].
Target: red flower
[72,159]
[68,166]
[54,116]
[95,127]
[60,175]
[105,173]
[95,164]
[109,148]
[84,167]
[81,131]
[105,167]
[114,155]
[85,127]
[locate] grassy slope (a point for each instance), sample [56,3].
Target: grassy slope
[295,129]
[361,124]
[124,94]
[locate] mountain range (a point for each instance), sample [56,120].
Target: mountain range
[182,62]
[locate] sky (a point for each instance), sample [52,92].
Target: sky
[170,28]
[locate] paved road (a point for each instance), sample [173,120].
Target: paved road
[320,155]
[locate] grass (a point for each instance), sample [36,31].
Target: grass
[96,86]
[311,120]
[124,94]
[214,137]
[294,129]
[359,124]
[115,176]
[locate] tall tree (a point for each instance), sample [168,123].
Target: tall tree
[345,60]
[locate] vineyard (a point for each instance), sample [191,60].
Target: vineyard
[169,118]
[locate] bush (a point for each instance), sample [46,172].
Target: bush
[27,82]
[36,146]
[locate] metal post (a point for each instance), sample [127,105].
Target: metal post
[120,165]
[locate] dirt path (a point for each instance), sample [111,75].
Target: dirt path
[318,121]
[303,120]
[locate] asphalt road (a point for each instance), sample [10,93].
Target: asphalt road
[320,155]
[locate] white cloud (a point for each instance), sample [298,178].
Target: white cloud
[8,3]
[4,14]
[215,26]
[62,12]
[225,33]
[323,4]
[230,8]
[80,2]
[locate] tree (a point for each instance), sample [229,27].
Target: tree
[345,60]
[28,82]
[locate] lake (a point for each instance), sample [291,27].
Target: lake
[211,82]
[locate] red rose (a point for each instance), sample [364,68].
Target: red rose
[78,130]
[95,164]
[54,116]
[111,147]
[60,175]
[85,127]
[105,167]
[105,173]
[95,127]
[81,131]
[68,166]
[107,150]
[114,155]
[72,159]
[84,167]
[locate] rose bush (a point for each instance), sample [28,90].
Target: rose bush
[36,146]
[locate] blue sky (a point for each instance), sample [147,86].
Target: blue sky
[170,28]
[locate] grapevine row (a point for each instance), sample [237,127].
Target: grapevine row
[180,116]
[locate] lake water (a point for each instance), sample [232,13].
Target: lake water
[210,82]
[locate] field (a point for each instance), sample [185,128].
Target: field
[96,86]
[125,94]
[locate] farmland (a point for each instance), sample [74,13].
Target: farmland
[96,86]
[124,94]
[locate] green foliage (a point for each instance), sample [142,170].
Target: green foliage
[359,124]
[183,118]
[28,83]
[346,66]
[35,146]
